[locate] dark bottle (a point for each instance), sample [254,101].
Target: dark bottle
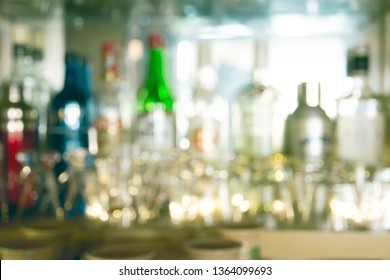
[84,78]
[18,132]
[18,124]
[68,114]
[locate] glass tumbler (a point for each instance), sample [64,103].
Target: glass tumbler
[118,193]
[382,205]
[261,190]
[151,182]
[356,199]
[83,196]
[40,190]
[199,193]
[313,190]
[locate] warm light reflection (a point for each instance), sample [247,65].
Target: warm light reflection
[94,210]
[183,53]
[237,199]
[135,50]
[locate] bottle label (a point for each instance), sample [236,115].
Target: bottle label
[204,135]
[315,147]
[261,130]
[109,131]
[361,138]
[69,128]
[16,139]
[156,131]
[314,141]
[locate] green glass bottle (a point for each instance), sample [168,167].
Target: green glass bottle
[155,103]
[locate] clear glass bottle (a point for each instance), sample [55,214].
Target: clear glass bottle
[310,137]
[208,113]
[259,115]
[107,122]
[82,200]
[310,129]
[155,102]
[360,131]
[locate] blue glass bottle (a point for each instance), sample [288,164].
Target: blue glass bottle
[68,118]
[68,114]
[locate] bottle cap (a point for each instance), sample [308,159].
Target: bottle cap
[156,40]
[110,61]
[309,93]
[358,60]
[108,46]
[38,45]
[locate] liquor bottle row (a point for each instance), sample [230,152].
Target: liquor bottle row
[86,127]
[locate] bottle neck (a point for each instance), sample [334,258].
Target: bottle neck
[22,61]
[206,76]
[156,65]
[360,85]
[259,74]
[309,94]
[110,64]
[110,76]
[70,76]
[13,92]
[38,62]
[302,99]
[84,79]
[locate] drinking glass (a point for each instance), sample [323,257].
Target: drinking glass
[118,193]
[83,198]
[382,176]
[198,192]
[355,203]
[262,190]
[40,191]
[150,180]
[313,192]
